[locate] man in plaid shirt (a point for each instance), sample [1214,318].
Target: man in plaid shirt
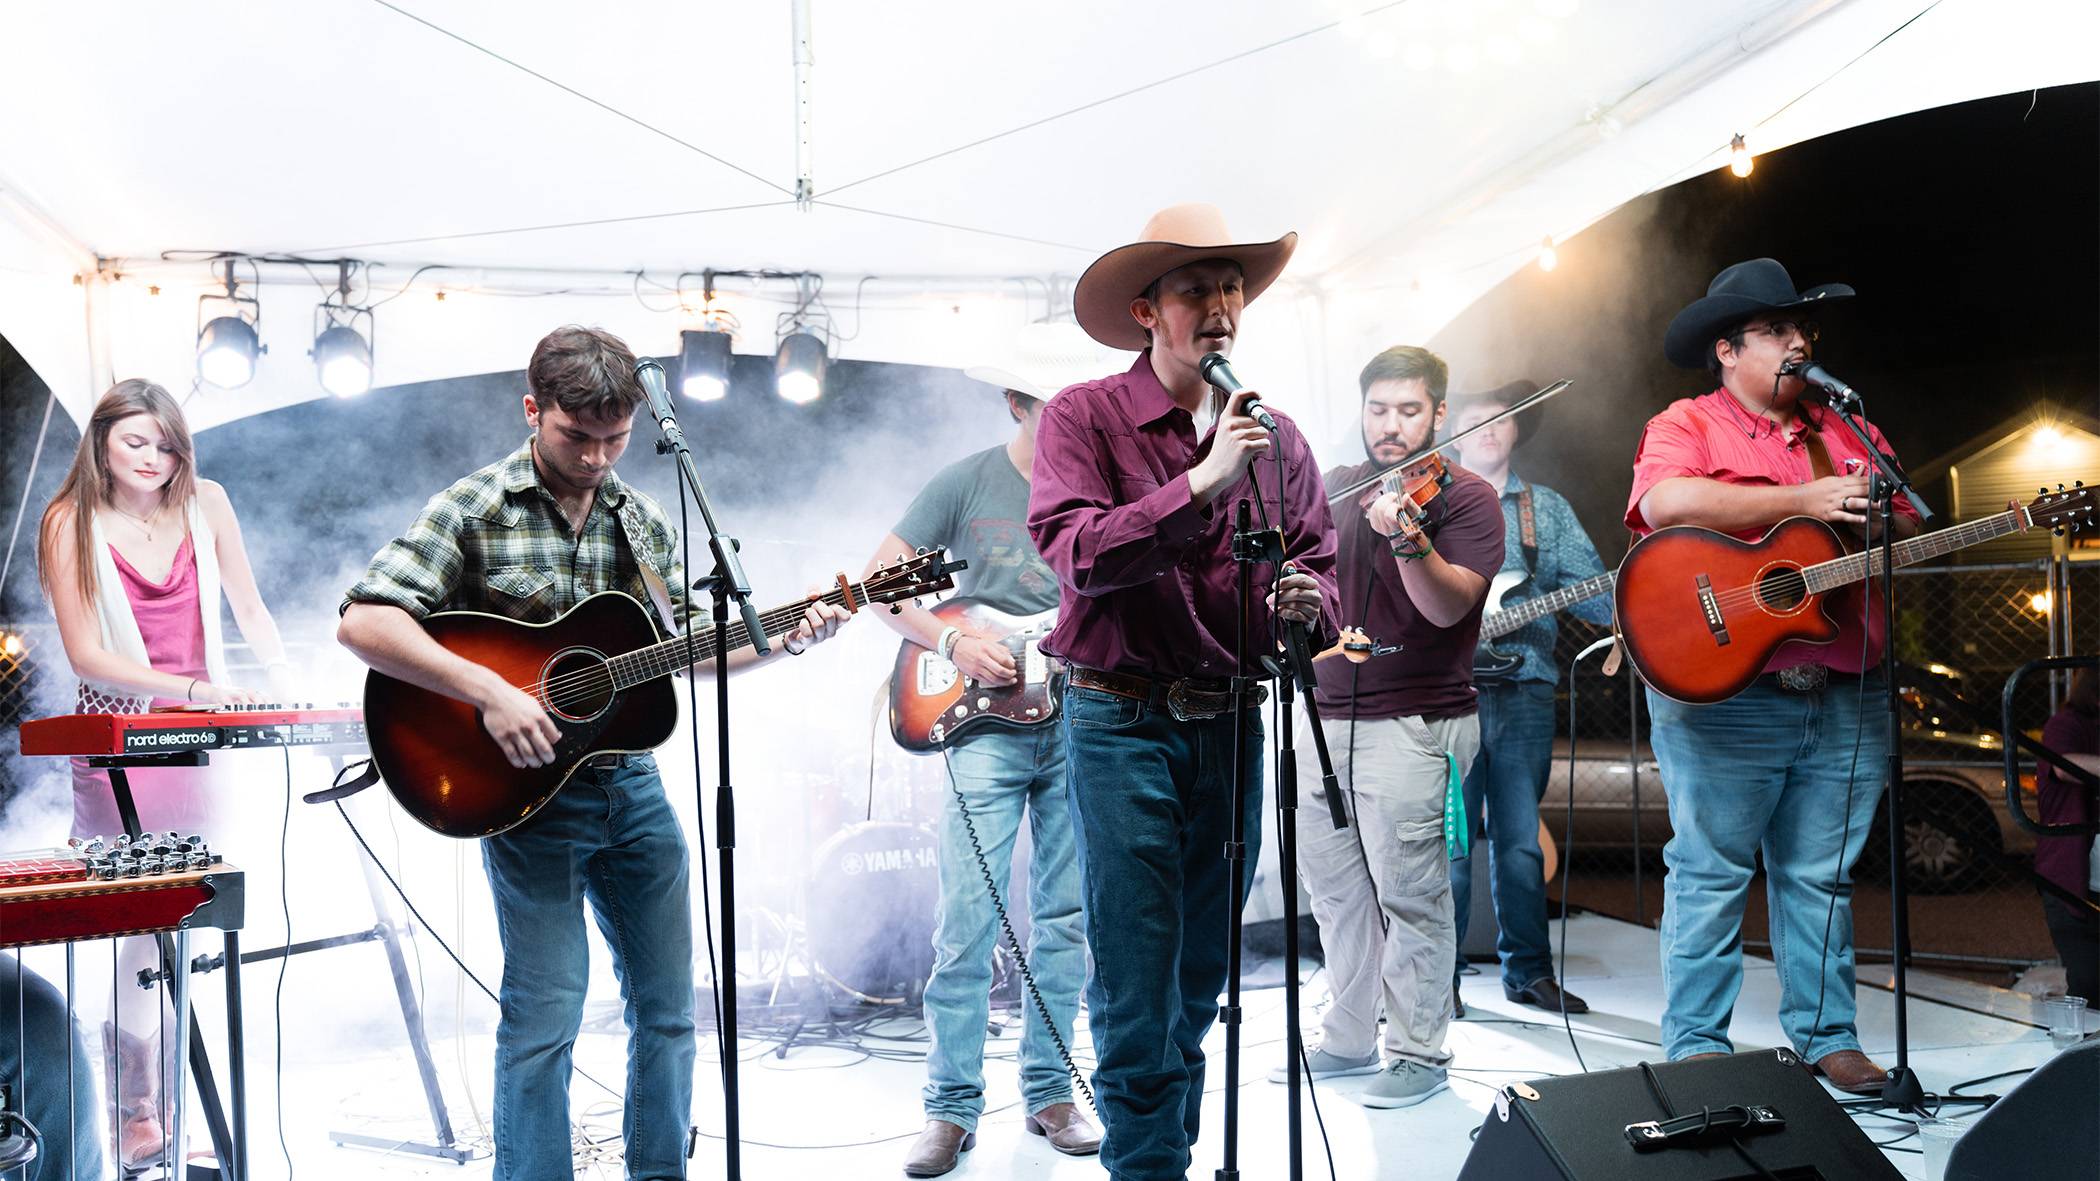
[529,537]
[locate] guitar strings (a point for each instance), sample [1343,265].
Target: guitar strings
[1871,559]
[584,683]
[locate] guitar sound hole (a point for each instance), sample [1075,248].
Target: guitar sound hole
[1782,588]
[578,685]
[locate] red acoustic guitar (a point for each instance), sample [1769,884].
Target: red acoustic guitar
[601,671]
[1699,613]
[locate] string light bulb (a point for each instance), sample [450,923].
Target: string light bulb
[1739,160]
[1548,256]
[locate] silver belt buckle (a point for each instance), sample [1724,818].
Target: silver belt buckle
[1179,705]
[1804,678]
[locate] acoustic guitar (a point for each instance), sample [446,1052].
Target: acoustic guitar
[1699,613]
[602,671]
[932,703]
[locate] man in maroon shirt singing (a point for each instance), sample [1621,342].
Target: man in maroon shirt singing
[1136,484]
[1402,725]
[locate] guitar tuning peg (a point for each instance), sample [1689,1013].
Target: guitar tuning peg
[896,608]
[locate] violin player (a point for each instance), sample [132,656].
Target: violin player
[1415,556]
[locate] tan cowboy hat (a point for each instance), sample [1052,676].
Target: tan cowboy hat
[1043,358]
[1175,237]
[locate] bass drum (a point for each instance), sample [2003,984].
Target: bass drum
[873,892]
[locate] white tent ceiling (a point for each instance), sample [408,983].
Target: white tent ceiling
[959,150]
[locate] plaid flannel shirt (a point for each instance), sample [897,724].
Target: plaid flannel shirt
[497,542]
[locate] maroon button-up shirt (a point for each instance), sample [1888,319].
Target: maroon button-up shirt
[1147,584]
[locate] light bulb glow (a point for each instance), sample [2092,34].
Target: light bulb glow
[800,387]
[1548,256]
[1739,159]
[12,645]
[704,387]
[344,361]
[226,351]
[2040,602]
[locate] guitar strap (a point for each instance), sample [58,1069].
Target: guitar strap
[1818,456]
[1527,529]
[653,582]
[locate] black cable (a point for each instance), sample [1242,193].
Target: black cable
[1896,850]
[991,885]
[1567,876]
[1958,1088]
[284,962]
[692,709]
[440,939]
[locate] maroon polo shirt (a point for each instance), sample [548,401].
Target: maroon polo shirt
[1431,676]
[1146,580]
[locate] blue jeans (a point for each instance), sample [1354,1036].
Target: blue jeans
[1502,801]
[1766,770]
[35,1069]
[999,774]
[1151,800]
[608,838]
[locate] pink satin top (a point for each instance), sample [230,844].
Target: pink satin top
[168,615]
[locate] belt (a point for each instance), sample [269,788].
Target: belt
[1805,678]
[613,762]
[1188,699]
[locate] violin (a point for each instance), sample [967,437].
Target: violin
[1418,483]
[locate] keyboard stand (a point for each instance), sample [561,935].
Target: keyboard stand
[229,1145]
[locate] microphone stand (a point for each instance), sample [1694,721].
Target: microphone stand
[1903,1091]
[728,582]
[1250,546]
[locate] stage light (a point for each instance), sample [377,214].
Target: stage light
[1739,161]
[798,367]
[343,359]
[226,352]
[1548,256]
[703,364]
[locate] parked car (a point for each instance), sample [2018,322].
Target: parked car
[1957,833]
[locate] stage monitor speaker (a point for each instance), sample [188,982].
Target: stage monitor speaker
[2045,1129]
[1575,1127]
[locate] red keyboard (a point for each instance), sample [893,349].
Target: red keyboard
[176,730]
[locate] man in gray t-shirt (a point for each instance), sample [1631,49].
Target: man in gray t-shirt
[977,507]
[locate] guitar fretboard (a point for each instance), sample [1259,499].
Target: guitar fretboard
[661,660]
[1509,619]
[1851,568]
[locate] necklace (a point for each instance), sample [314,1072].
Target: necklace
[145,524]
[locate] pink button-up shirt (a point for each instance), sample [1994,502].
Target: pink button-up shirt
[1146,580]
[1714,437]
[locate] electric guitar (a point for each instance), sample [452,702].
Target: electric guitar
[1491,664]
[932,702]
[1699,613]
[601,671]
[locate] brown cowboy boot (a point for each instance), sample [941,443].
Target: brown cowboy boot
[938,1149]
[133,1067]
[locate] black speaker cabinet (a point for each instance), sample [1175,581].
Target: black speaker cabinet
[2045,1129]
[1574,1127]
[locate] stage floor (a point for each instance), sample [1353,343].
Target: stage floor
[830,1112]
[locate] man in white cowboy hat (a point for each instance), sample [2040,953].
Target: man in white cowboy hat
[1777,767]
[977,507]
[1137,479]
[1547,548]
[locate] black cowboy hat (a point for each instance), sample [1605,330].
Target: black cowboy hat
[1504,395]
[1736,294]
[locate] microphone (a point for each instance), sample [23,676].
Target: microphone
[1218,371]
[1816,375]
[651,376]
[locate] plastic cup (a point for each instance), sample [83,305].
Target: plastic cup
[1937,1137]
[2066,1016]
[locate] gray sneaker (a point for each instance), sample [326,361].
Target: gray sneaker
[1401,1083]
[1326,1066]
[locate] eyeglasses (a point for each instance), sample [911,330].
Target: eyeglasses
[1781,329]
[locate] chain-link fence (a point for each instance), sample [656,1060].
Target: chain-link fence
[1960,632]
[29,688]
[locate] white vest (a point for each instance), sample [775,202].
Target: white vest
[120,629]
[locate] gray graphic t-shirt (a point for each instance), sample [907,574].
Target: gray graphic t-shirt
[978,508]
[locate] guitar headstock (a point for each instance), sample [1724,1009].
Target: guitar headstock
[927,572]
[2066,510]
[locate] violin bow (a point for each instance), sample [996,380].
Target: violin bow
[1335,498]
